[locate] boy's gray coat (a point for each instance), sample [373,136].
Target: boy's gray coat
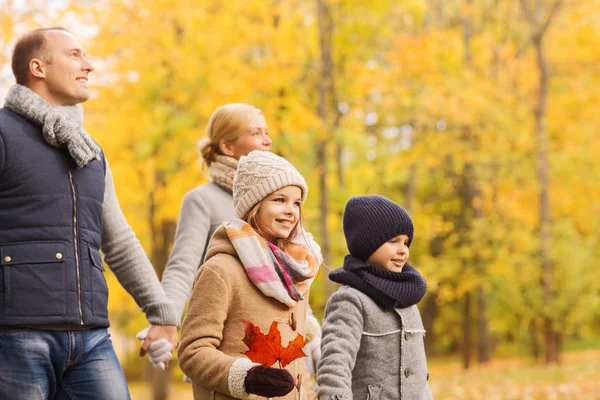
[370,353]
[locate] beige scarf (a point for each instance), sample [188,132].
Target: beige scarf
[221,171]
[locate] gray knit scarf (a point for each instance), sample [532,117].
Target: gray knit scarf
[62,126]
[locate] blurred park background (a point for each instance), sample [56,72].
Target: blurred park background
[481,117]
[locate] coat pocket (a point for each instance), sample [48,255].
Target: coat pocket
[99,286]
[34,279]
[373,392]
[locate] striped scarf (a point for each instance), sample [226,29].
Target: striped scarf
[284,275]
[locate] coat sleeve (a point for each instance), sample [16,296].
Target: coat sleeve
[191,237]
[2,154]
[126,258]
[342,332]
[202,333]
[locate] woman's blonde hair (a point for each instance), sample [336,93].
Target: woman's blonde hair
[281,243]
[227,123]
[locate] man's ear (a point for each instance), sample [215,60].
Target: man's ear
[225,148]
[37,68]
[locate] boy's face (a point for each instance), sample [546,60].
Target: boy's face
[392,255]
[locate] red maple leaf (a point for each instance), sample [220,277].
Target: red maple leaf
[267,349]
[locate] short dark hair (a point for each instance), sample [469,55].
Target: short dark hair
[31,45]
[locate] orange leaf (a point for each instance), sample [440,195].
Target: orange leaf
[267,349]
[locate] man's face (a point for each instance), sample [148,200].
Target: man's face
[65,77]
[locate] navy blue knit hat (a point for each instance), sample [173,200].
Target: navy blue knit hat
[370,221]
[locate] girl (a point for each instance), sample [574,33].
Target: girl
[372,344]
[258,268]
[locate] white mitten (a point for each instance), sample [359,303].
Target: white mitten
[159,352]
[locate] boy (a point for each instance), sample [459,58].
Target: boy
[372,344]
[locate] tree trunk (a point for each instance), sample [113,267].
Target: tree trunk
[467,344]
[160,384]
[322,172]
[534,343]
[550,334]
[410,189]
[429,313]
[325,92]
[473,200]
[539,27]
[162,236]
[484,351]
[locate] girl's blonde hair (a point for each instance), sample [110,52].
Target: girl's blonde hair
[227,123]
[281,243]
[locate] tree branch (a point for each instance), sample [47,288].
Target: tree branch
[527,11]
[553,10]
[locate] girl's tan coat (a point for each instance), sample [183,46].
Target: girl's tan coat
[212,332]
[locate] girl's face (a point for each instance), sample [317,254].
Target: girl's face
[392,255]
[279,213]
[256,138]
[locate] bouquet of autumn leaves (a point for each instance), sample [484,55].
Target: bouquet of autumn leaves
[267,349]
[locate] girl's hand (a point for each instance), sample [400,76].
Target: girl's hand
[269,382]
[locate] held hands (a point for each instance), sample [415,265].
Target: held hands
[269,382]
[158,342]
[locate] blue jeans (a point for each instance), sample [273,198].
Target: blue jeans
[59,365]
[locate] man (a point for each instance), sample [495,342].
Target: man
[57,210]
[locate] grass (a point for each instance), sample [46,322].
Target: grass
[576,378]
[179,391]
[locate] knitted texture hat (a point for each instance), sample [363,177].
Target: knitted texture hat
[259,174]
[370,221]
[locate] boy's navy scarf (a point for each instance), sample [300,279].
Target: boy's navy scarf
[388,289]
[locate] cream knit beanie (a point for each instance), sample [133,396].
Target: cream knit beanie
[259,174]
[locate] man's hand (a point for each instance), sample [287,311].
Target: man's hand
[159,352]
[157,332]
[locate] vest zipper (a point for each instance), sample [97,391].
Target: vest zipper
[76,246]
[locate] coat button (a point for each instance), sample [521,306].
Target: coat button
[407,372]
[428,376]
[59,256]
[293,322]
[7,258]
[407,335]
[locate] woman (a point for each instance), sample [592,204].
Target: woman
[233,131]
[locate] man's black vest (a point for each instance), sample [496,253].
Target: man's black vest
[50,231]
